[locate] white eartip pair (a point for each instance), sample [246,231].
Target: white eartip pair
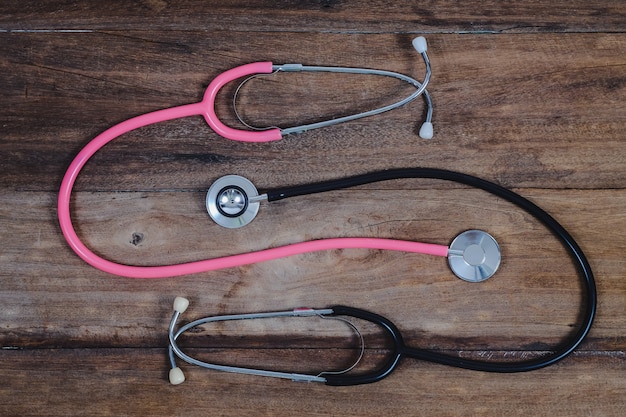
[420,45]
[176,375]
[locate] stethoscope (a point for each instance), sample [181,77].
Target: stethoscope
[473,256]
[229,215]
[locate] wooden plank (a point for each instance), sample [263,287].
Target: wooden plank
[347,16]
[498,102]
[537,107]
[118,382]
[62,301]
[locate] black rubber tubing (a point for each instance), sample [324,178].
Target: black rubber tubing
[542,216]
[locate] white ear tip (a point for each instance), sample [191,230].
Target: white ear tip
[426,131]
[176,376]
[181,304]
[419,44]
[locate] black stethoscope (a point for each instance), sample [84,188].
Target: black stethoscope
[475,254]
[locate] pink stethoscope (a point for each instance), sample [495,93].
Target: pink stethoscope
[206,108]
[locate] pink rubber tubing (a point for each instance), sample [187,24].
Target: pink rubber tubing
[205,108]
[209,105]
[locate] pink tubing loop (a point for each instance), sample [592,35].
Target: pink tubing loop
[209,103]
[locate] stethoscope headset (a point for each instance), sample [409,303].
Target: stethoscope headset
[233,201]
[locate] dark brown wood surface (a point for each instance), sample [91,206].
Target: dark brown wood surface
[530,95]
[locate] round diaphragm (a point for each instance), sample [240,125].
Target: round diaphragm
[230,201]
[474,256]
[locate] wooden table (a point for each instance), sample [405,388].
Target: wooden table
[530,95]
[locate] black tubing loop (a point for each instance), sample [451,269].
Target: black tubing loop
[542,216]
[388,367]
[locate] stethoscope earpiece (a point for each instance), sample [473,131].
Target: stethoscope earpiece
[233,201]
[474,256]
[176,376]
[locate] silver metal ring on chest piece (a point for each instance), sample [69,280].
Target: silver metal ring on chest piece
[232,201]
[474,256]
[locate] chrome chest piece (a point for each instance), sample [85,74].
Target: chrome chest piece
[474,256]
[233,201]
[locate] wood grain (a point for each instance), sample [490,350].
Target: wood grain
[495,109]
[174,227]
[346,16]
[529,95]
[129,382]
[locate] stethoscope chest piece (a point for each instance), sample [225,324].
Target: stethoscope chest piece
[474,256]
[233,201]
